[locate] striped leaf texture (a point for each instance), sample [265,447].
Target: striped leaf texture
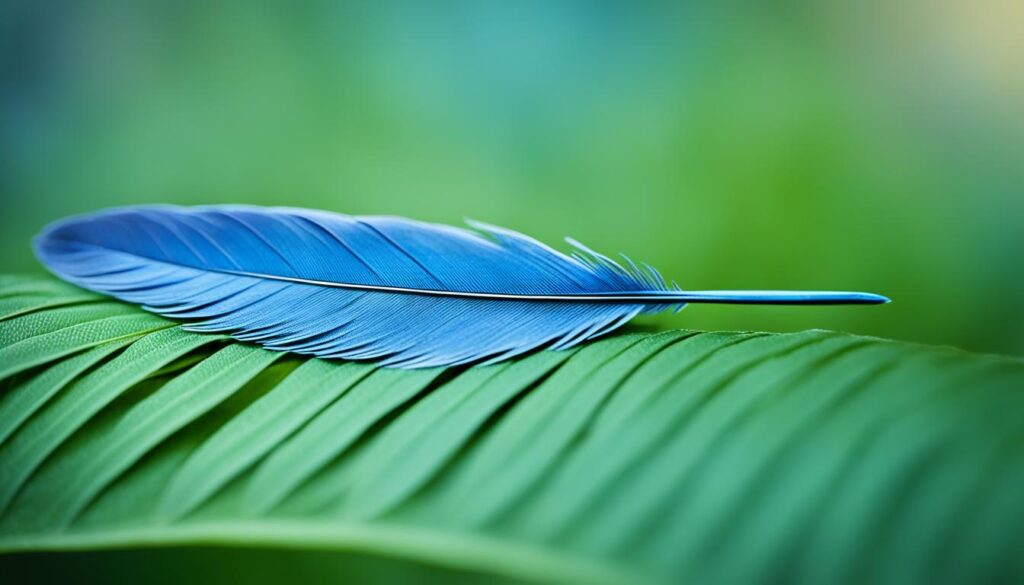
[813,457]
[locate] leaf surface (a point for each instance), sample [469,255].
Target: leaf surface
[707,457]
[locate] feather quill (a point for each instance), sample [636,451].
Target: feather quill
[407,293]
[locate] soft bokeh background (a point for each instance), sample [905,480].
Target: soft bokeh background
[874,145]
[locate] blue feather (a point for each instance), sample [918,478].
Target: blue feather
[406,293]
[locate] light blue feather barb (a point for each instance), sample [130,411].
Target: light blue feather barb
[407,293]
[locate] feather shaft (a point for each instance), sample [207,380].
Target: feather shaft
[731,297]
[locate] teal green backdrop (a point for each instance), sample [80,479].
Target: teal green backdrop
[873,145]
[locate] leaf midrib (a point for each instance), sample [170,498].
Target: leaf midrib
[467,551]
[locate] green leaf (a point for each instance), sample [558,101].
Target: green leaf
[18,403]
[705,457]
[38,338]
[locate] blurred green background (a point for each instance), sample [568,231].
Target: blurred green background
[874,145]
